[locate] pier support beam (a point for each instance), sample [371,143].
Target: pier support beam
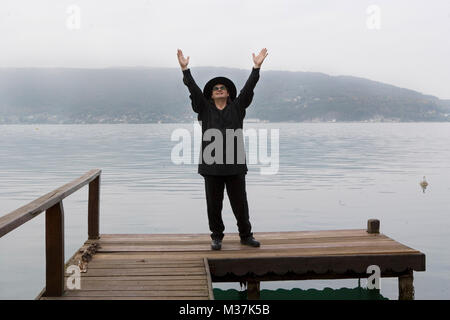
[406,287]
[253,291]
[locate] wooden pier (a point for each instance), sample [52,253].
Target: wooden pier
[183,266]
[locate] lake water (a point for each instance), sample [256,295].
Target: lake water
[330,176]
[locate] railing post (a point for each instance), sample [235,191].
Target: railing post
[373,226]
[94,209]
[54,250]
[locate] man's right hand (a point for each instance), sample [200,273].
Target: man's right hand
[182,60]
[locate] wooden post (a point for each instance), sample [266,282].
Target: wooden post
[253,291]
[94,209]
[373,226]
[54,250]
[406,287]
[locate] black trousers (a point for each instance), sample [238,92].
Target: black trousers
[235,184]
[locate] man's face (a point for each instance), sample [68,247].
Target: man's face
[219,91]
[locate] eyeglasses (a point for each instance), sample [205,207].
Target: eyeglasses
[219,88]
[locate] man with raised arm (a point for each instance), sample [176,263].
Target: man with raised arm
[222,159]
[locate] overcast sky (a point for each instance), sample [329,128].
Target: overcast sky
[402,42]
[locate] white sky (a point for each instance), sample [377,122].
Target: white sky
[411,49]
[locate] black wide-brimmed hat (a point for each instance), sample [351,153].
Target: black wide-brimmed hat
[225,81]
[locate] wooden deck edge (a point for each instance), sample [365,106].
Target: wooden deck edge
[40,295]
[227,234]
[316,265]
[208,277]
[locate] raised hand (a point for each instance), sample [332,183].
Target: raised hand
[258,60]
[182,60]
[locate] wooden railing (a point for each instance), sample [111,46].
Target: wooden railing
[52,204]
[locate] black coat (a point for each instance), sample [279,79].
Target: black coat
[231,117]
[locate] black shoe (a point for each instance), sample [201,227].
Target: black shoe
[250,242]
[216,244]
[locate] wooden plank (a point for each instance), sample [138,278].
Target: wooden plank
[54,250]
[227,234]
[88,283]
[103,285]
[124,257]
[126,298]
[149,293]
[141,272]
[235,236]
[141,266]
[148,260]
[355,238]
[384,245]
[139,279]
[150,242]
[238,246]
[27,212]
[162,278]
[175,240]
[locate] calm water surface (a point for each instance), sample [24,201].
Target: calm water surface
[331,176]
